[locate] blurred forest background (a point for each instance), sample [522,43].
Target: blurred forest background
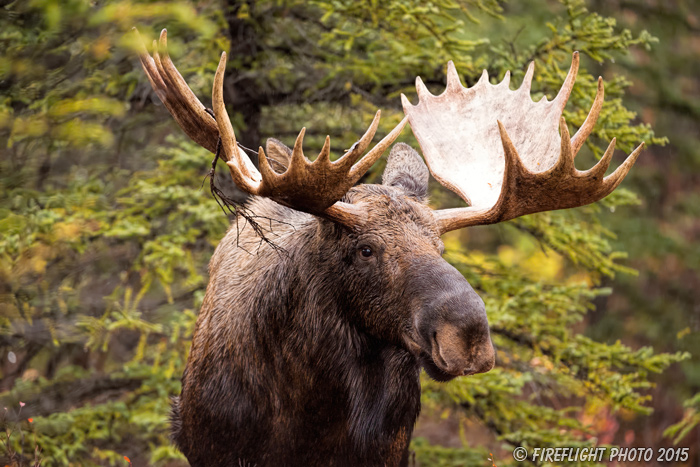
[106,230]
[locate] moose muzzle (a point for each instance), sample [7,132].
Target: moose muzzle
[451,326]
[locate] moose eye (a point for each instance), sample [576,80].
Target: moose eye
[366,252]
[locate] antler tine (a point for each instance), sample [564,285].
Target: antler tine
[172,90]
[266,171]
[565,164]
[179,105]
[453,82]
[299,160]
[357,149]
[506,80]
[324,157]
[149,67]
[241,167]
[601,167]
[422,89]
[614,179]
[591,119]
[165,91]
[566,88]
[513,171]
[527,80]
[194,110]
[371,157]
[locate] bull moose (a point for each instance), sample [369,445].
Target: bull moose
[312,357]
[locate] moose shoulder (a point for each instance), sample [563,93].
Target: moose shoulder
[312,356]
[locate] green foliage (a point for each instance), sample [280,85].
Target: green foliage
[691,419]
[164,260]
[106,230]
[662,236]
[439,456]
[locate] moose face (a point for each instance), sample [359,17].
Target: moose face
[400,287]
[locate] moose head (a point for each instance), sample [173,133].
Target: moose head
[313,357]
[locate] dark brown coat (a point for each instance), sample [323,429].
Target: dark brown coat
[312,356]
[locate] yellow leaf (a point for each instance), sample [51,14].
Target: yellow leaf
[67,230]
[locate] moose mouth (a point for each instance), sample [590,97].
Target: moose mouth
[432,368]
[435,365]
[427,362]
[434,371]
[442,363]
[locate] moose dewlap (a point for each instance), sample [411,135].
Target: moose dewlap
[312,357]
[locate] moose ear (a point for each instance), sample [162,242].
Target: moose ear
[405,169]
[278,155]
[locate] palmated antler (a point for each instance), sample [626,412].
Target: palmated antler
[314,187]
[501,152]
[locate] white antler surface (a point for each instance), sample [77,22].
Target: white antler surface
[503,153]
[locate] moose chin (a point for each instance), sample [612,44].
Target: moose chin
[309,352]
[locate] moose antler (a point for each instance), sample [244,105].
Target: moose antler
[501,152]
[176,95]
[314,187]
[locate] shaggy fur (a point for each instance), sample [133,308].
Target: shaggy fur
[311,356]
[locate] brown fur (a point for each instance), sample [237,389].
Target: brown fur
[311,356]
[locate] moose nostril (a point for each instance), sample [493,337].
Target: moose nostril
[468,371]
